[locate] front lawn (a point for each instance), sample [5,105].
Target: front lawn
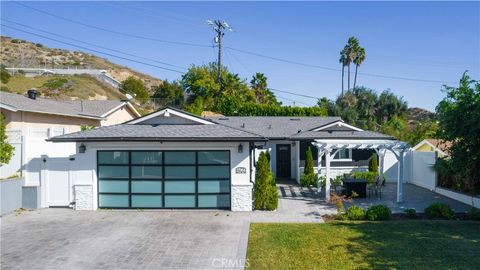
[365,245]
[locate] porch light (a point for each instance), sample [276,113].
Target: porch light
[240,148]
[82,148]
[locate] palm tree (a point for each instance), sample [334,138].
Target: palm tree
[259,86]
[358,60]
[343,61]
[352,45]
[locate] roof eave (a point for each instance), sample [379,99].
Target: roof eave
[143,139]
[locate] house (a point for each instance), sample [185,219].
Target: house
[434,145]
[30,120]
[174,159]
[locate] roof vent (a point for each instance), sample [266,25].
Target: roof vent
[32,93]
[330,131]
[269,126]
[294,119]
[223,118]
[299,131]
[243,125]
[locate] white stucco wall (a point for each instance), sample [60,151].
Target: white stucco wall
[85,166]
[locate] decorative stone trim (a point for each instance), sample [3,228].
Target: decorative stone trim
[242,197]
[83,197]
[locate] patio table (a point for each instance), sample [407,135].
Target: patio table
[357,185]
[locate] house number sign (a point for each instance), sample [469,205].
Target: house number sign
[240,170]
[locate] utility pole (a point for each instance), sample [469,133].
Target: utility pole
[219,27]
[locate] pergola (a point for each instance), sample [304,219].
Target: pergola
[330,147]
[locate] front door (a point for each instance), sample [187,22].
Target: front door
[283,161]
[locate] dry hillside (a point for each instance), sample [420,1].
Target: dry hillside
[21,53]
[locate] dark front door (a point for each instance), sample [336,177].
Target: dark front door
[283,161]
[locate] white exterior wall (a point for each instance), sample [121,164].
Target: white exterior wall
[85,166]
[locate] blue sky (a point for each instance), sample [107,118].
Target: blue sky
[434,41]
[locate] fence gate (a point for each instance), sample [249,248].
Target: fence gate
[58,180]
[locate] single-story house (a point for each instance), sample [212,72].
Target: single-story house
[174,159]
[434,145]
[30,120]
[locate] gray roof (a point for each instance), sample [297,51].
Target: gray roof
[274,127]
[84,109]
[131,132]
[341,134]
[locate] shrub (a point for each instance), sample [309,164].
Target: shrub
[265,192]
[373,163]
[474,213]
[355,213]
[411,213]
[369,176]
[379,212]
[307,180]
[309,177]
[439,210]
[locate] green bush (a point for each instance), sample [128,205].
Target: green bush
[265,195]
[309,177]
[379,212]
[474,213]
[355,213]
[307,180]
[373,163]
[439,210]
[411,213]
[369,176]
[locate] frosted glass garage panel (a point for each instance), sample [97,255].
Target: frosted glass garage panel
[113,186]
[146,157]
[213,186]
[154,201]
[179,172]
[146,186]
[213,157]
[112,157]
[108,200]
[179,186]
[214,172]
[113,172]
[179,201]
[179,157]
[146,172]
[213,201]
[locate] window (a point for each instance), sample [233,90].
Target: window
[343,155]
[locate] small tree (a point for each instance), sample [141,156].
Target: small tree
[6,150]
[265,192]
[4,74]
[373,163]
[135,87]
[309,176]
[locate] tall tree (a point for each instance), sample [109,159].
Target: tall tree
[458,115]
[169,93]
[349,51]
[343,61]
[262,94]
[358,60]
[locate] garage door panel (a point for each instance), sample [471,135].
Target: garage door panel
[164,179]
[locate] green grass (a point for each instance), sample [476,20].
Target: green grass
[365,245]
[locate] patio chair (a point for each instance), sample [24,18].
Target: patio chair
[376,188]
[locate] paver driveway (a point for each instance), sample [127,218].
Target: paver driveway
[67,239]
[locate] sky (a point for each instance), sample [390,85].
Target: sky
[413,48]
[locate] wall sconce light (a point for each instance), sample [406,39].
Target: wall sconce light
[82,148]
[240,148]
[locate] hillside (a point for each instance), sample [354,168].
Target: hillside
[21,53]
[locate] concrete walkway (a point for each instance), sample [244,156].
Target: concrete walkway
[163,239]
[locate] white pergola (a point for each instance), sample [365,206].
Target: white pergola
[330,147]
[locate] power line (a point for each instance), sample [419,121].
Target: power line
[92,50]
[292,93]
[112,31]
[91,44]
[332,69]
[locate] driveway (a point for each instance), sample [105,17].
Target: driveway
[105,239]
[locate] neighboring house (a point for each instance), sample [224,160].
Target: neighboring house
[30,120]
[173,159]
[434,145]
